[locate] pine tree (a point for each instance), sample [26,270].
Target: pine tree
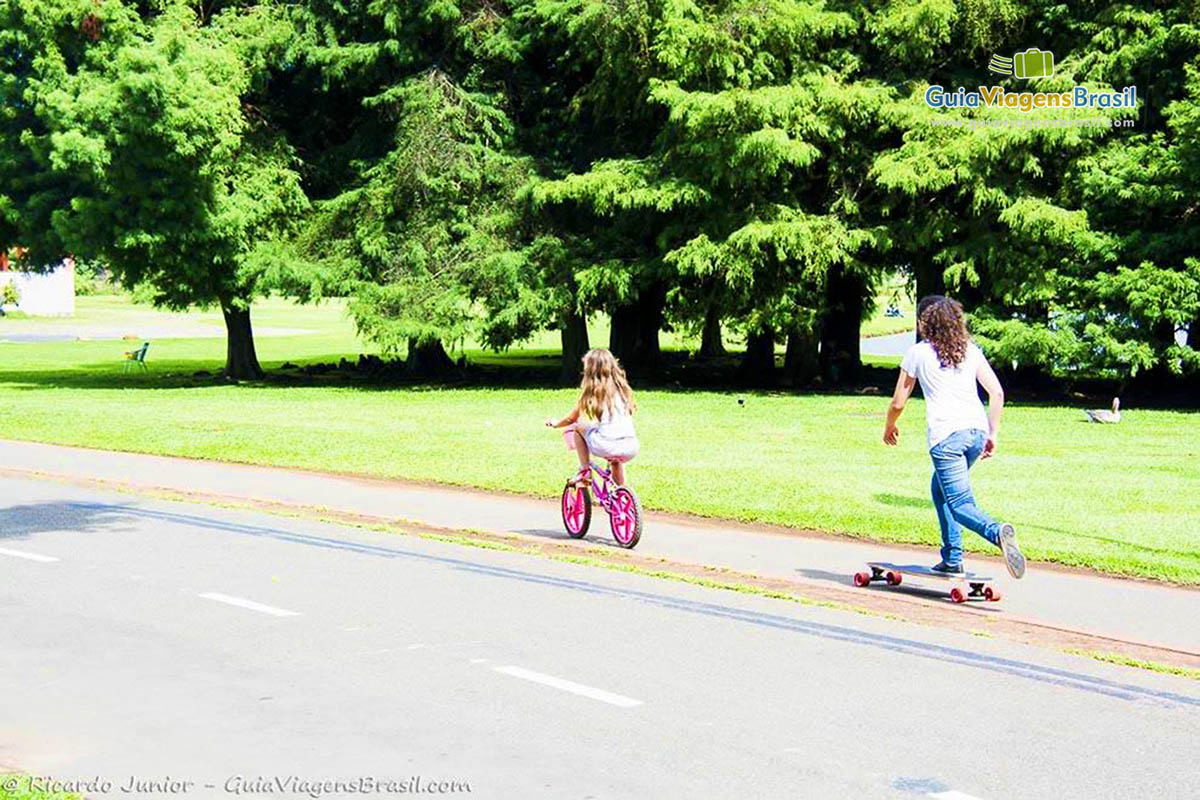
[134,141]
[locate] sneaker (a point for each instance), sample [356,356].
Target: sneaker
[949,569]
[1013,558]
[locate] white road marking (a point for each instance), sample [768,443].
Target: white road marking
[250,604]
[480,660]
[952,794]
[30,556]
[416,646]
[570,686]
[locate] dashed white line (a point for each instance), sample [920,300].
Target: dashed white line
[29,556]
[952,794]
[570,686]
[250,604]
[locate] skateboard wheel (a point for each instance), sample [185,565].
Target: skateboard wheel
[991,594]
[861,579]
[956,594]
[894,578]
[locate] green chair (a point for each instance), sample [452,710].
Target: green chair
[136,357]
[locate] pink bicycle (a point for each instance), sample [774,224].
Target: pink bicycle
[621,503]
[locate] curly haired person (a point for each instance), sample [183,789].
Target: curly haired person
[948,365]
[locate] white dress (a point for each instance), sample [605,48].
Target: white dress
[613,437]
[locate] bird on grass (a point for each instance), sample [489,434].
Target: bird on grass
[1103,415]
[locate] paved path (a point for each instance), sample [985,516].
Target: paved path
[893,345]
[1129,610]
[228,648]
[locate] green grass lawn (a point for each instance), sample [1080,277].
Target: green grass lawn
[880,324]
[1119,498]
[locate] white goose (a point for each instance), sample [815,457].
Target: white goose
[1104,415]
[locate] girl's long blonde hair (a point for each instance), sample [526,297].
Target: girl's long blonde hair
[604,382]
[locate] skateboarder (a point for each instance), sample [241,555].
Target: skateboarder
[947,364]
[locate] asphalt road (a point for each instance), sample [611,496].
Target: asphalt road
[1122,609]
[154,640]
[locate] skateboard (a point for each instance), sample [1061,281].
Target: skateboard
[893,575]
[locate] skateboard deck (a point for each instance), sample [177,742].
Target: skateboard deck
[893,575]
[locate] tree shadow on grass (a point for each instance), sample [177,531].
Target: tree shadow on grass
[163,375]
[334,370]
[677,372]
[1187,555]
[535,369]
[26,521]
[901,501]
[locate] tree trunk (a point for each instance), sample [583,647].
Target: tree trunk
[1160,378]
[711,345]
[427,358]
[574,347]
[802,362]
[651,305]
[623,332]
[757,367]
[841,323]
[929,276]
[634,334]
[241,362]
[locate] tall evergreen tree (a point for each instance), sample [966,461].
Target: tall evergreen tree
[422,230]
[143,150]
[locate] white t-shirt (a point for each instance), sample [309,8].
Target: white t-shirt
[951,398]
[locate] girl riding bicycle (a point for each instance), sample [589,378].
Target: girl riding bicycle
[606,401]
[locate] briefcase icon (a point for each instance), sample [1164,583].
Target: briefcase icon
[1033,63]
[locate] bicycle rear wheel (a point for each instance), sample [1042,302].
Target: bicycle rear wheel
[625,517]
[576,510]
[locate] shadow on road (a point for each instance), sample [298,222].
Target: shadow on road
[825,575]
[561,535]
[21,522]
[912,591]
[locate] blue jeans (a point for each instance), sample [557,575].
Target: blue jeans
[951,489]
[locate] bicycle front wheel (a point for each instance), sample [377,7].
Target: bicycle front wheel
[576,510]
